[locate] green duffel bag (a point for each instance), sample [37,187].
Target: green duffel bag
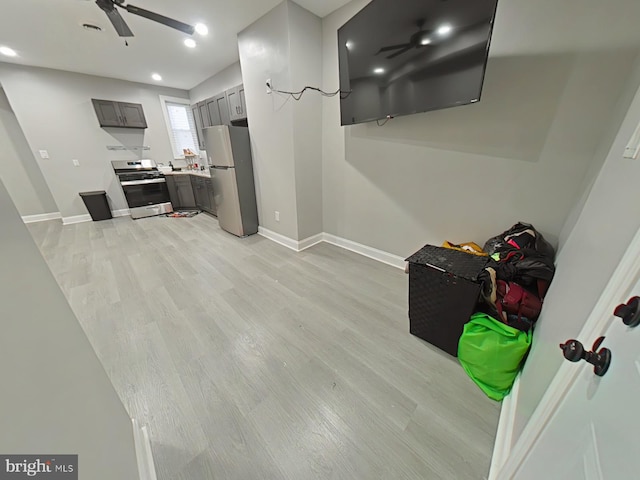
[492,353]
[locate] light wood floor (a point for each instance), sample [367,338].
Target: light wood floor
[249,361]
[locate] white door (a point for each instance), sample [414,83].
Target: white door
[591,430]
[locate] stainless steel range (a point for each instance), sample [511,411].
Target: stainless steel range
[145,188]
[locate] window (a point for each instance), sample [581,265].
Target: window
[180,125]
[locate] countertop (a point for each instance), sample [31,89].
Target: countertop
[197,173]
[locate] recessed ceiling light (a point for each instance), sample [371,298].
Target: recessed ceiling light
[190,42]
[157,77]
[349,45]
[425,41]
[202,29]
[378,71]
[9,52]
[444,30]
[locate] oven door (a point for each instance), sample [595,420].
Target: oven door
[140,193]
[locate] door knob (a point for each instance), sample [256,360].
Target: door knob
[629,312]
[574,351]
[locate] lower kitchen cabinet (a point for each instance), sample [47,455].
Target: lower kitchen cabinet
[190,192]
[211,196]
[200,192]
[186,198]
[173,191]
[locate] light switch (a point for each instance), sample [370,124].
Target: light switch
[76,163]
[44,154]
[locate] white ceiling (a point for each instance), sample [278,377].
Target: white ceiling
[48,33]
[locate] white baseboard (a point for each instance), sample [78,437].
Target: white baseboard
[310,242]
[365,250]
[44,217]
[76,219]
[87,218]
[504,435]
[281,239]
[125,212]
[144,456]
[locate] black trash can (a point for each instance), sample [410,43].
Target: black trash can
[97,204]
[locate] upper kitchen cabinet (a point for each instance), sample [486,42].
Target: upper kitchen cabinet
[119,114]
[222,103]
[204,114]
[214,111]
[198,119]
[237,104]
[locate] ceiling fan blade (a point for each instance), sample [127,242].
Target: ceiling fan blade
[116,20]
[169,22]
[404,50]
[393,47]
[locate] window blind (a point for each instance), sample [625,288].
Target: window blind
[183,128]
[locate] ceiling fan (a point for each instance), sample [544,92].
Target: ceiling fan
[420,39]
[109,7]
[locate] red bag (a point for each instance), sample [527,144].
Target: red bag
[512,299]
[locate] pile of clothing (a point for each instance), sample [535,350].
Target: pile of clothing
[497,338]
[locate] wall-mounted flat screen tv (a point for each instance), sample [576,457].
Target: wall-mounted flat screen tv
[399,57]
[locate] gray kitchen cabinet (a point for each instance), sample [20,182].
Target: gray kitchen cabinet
[198,119]
[212,200]
[200,193]
[133,115]
[186,199]
[237,103]
[119,114]
[204,114]
[173,191]
[223,108]
[214,112]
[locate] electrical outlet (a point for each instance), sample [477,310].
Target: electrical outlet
[277,216]
[76,163]
[269,85]
[44,154]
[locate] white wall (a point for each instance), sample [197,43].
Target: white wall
[55,112]
[468,173]
[56,397]
[221,81]
[609,220]
[18,169]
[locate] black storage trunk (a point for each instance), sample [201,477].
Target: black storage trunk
[443,293]
[97,204]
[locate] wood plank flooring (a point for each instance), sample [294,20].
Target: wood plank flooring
[250,361]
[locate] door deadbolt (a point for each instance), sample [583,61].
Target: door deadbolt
[629,312]
[574,351]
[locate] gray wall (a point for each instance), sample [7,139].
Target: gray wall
[221,81]
[609,220]
[611,130]
[55,112]
[56,397]
[305,30]
[285,46]
[468,173]
[18,168]
[265,53]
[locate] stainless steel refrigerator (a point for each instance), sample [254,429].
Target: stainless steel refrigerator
[231,167]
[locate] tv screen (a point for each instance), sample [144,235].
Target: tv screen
[399,57]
